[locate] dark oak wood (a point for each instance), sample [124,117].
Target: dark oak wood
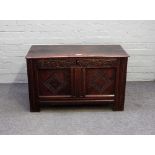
[76,74]
[51,51]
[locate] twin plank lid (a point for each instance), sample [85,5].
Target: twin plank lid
[51,51]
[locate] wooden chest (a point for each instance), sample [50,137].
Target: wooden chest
[76,74]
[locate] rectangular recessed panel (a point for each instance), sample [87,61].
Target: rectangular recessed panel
[100,81]
[53,82]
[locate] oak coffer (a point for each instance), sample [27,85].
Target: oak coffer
[76,74]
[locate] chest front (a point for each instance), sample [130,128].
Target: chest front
[60,80]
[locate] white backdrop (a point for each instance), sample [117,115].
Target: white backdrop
[136,37]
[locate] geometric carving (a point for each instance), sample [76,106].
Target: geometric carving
[54,83]
[100,76]
[100,81]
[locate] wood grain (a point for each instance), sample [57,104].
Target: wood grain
[66,79]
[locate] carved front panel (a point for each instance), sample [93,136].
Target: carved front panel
[54,82]
[56,63]
[100,81]
[97,62]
